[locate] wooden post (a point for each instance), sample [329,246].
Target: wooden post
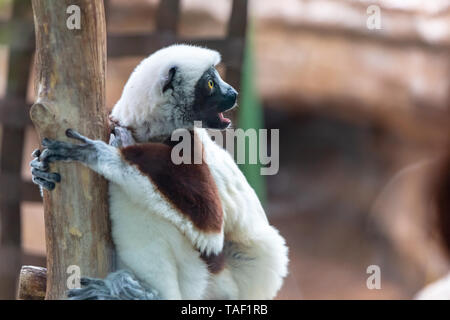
[12,138]
[32,283]
[70,83]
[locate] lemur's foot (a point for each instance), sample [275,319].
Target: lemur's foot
[58,151]
[119,285]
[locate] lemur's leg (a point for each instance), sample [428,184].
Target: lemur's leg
[119,285]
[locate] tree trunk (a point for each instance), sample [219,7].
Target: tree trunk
[70,84]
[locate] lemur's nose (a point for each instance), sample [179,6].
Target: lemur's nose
[232,93]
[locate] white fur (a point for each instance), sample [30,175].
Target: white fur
[262,265]
[143,106]
[162,247]
[439,290]
[158,243]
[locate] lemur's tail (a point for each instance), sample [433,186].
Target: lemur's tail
[119,285]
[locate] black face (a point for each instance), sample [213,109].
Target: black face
[212,97]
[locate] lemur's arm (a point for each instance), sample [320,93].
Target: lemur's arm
[123,167]
[46,180]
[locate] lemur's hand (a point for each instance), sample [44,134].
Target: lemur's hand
[58,151]
[122,137]
[40,174]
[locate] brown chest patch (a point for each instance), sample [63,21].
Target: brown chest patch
[189,187]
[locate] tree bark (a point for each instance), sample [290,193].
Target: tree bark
[70,84]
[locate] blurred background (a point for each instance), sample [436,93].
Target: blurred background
[363,117]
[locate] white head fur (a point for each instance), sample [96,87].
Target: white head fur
[144,106]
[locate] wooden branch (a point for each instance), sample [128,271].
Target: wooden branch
[32,283]
[70,79]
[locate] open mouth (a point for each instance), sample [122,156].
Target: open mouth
[224,121]
[217,120]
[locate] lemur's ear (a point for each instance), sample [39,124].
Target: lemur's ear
[169,79]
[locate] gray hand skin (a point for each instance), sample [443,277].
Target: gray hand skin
[40,174]
[119,285]
[56,151]
[64,151]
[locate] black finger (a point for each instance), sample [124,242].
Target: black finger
[50,156]
[44,183]
[44,155]
[86,281]
[36,153]
[49,176]
[72,293]
[48,142]
[75,135]
[40,165]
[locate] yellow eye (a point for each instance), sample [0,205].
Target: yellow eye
[210,84]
